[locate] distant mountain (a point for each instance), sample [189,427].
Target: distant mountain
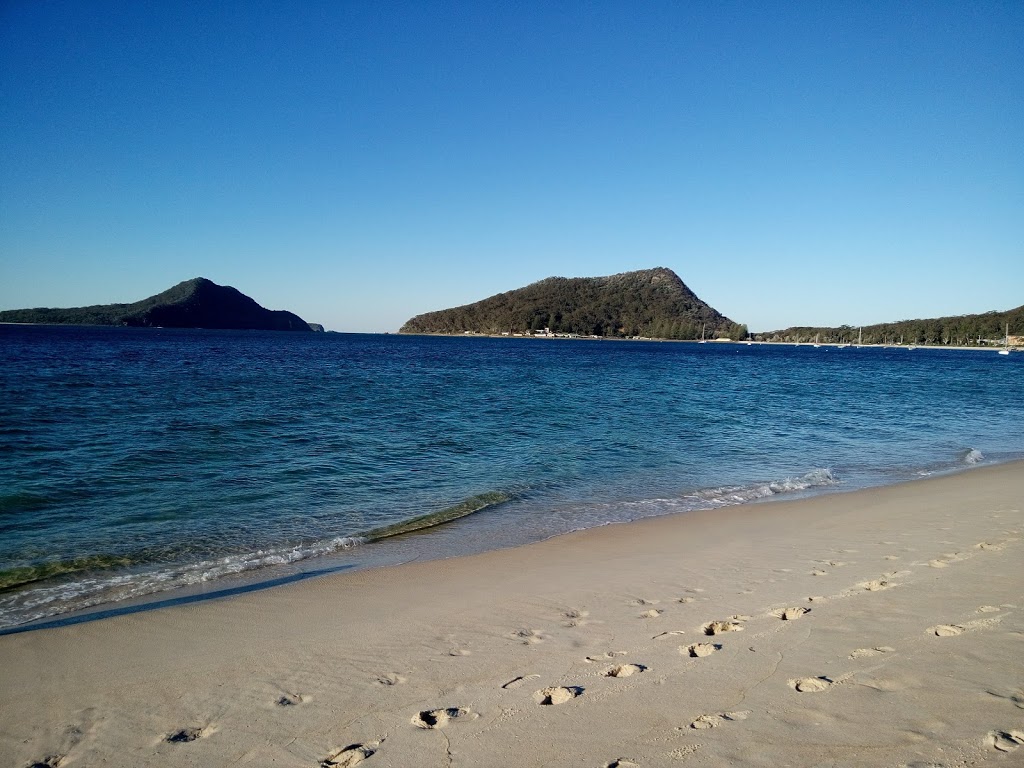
[651,303]
[958,330]
[196,303]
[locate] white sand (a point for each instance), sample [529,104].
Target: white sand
[876,628]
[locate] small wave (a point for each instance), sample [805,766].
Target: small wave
[732,494]
[588,515]
[26,574]
[973,456]
[53,588]
[88,589]
[468,507]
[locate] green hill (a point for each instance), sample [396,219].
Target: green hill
[196,303]
[652,303]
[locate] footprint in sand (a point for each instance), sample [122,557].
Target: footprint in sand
[557,694]
[988,609]
[529,636]
[349,756]
[438,718]
[53,761]
[713,721]
[790,614]
[621,763]
[1005,741]
[811,684]
[186,735]
[994,545]
[819,572]
[938,564]
[699,650]
[604,656]
[1014,697]
[643,601]
[390,680]
[290,700]
[718,627]
[862,653]
[575,618]
[518,682]
[951,630]
[875,585]
[652,614]
[624,670]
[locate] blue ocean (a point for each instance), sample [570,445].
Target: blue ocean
[140,464]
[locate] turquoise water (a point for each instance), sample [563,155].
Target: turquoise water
[140,461]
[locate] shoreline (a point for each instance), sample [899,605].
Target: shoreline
[385,552]
[913,618]
[714,342]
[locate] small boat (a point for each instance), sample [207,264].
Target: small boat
[1006,342]
[816,338]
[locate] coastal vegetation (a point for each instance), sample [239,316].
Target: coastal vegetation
[652,303]
[195,303]
[959,330]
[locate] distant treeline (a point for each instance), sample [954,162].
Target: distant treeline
[961,330]
[651,303]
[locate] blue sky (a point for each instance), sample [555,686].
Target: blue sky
[361,162]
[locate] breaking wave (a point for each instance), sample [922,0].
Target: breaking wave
[52,588]
[740,494]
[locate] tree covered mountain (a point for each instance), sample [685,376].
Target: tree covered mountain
[196,303]
[958,330]
[652,303]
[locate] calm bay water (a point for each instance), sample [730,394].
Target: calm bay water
[133,462]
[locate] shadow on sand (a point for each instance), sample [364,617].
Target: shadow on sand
[82,618]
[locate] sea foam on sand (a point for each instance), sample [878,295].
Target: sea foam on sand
[878,627]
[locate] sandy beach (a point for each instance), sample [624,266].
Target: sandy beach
[882,627]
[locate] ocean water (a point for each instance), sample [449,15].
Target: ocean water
[138,462]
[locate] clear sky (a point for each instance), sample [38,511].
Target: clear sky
[358,163]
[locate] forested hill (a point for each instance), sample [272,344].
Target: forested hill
[651,303]
[959,330]
[196,303]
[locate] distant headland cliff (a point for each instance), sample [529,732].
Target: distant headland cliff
[196,303]
[651,303]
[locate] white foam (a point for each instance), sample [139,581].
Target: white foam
[730,495]
[52,600]
[973,456]
[593,514]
